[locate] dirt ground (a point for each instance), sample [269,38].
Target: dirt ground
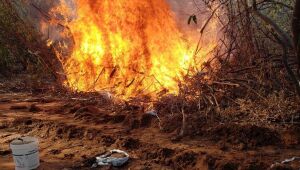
[73,130]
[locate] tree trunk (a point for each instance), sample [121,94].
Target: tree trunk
[296,31]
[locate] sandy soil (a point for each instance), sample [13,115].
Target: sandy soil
[72,131]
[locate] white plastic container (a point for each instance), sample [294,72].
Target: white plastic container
[25,152]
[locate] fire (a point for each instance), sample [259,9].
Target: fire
[127,47]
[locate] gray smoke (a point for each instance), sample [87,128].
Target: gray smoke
[38,11]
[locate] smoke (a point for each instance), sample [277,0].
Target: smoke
[184,9]
[38,12]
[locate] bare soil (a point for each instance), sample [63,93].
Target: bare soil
[73,130]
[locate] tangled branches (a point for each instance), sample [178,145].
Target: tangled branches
[247,67]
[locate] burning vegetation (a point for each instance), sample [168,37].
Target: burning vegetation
[127,48]
[201,84]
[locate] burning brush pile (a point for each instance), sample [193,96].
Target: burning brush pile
[127,48]
[135,48]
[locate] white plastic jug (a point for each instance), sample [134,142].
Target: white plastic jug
[25,153]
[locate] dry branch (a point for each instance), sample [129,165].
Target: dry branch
[284,40]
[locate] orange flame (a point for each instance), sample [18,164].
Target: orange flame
[128,47]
